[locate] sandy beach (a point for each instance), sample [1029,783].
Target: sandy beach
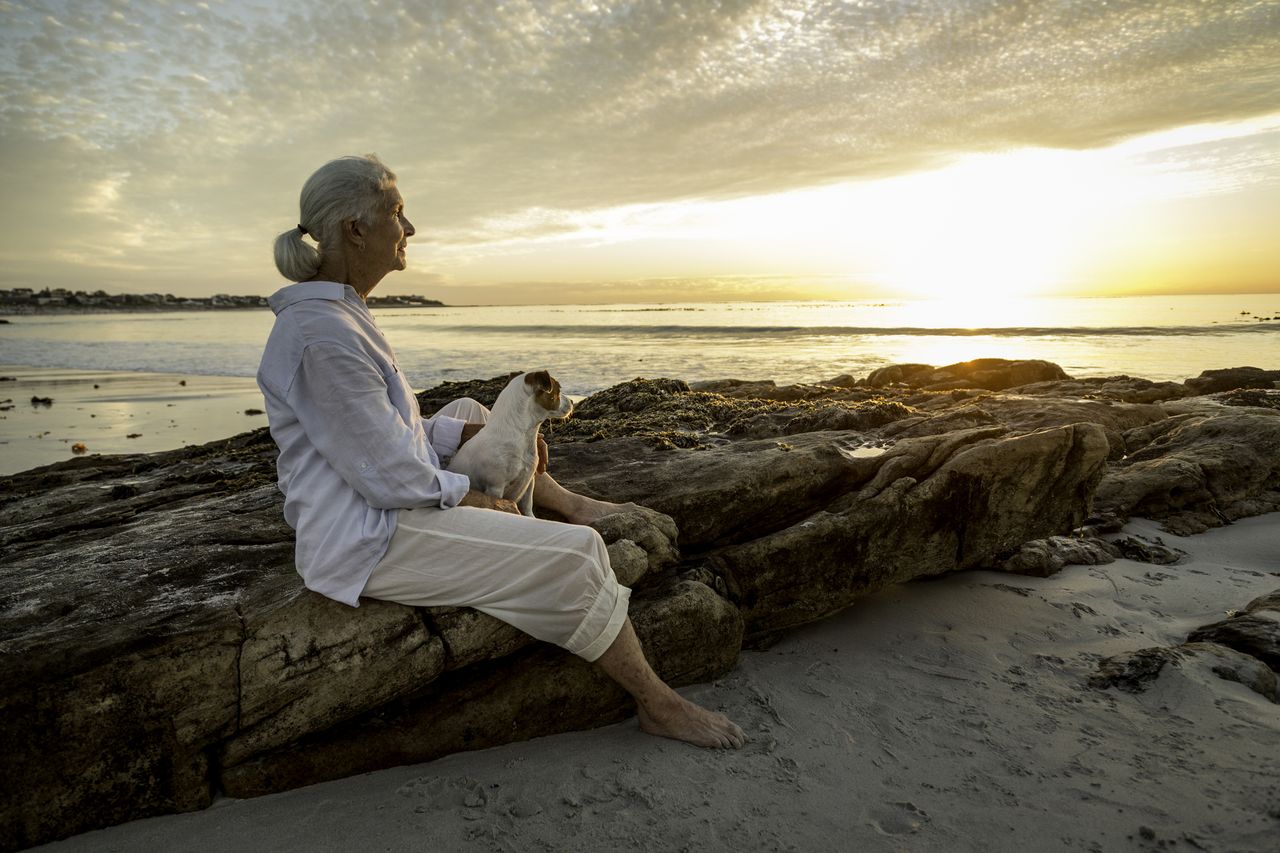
[941,715]
[116,412]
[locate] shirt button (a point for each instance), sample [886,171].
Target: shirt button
[364,466]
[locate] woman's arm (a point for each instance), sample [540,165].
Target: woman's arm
[340,398]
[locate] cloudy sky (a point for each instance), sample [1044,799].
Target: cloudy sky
[597,151]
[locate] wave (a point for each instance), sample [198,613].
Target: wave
[689,331]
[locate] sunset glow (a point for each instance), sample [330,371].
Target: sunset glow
[782,150]
[1021,223]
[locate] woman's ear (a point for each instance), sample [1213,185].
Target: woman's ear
[353,232]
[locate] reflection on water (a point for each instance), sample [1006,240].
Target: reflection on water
[861,451]
[590,347]
[111,413]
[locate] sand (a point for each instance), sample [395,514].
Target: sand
[943,715]
[116,412]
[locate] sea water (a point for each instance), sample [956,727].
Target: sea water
[143,382]
[589,347]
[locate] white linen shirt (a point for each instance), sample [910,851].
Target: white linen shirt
[353,446]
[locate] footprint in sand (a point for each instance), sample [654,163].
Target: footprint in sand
[467,797]
[897,818]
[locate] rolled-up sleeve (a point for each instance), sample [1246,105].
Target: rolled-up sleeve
[341,401]
[445,434]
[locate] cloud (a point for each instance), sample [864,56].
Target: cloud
[204,120]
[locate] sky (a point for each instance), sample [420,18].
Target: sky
[654,151]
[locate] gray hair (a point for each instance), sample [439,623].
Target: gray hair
[342,189]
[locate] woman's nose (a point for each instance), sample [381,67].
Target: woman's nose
[409,230]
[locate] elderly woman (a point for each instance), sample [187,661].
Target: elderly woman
[375,512]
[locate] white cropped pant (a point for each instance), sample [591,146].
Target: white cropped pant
[551,580]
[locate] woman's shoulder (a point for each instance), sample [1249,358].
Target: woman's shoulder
[318,326]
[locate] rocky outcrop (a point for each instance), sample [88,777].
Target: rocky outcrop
[993,374]
[1199,470]
[1120,389]
[158,647]
[930,506]
[1025,414]
[1254,631]
[1044,557]
[1087,547]
[1244,648]
[1137,671]
[1231,378]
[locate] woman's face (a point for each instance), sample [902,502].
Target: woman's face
[385,245]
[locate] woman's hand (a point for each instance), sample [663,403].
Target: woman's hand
[480,499]
[543,455]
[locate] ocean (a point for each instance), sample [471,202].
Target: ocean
[589,347]
[144,382]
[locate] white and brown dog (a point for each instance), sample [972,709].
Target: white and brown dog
[502,457]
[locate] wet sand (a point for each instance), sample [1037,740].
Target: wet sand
[116,412]
[943,715]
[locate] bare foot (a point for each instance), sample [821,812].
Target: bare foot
[587,510]
[680,719]
[573,507]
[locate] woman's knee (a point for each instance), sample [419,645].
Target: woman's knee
[467,409]
[590,543]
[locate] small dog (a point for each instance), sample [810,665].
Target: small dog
[502,457]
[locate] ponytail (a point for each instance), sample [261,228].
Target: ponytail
[296,259]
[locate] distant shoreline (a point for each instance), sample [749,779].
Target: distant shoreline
[45,310]
[23,301]
[23,311]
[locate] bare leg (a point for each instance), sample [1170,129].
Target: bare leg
[664,712]
[577,509]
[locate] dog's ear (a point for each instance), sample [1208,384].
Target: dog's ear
[539,381]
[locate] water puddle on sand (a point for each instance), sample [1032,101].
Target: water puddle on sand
[862,451]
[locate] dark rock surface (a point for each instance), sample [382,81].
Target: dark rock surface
[1044,557]
[157,646]
[1244,647]
[1255,630]
[1210,467]
[1147,550]
[1120,389]
[993,374]
[1231,378]
[1136,671]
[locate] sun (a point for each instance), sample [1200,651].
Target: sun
[991,226]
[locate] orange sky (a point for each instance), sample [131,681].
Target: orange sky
[560,152]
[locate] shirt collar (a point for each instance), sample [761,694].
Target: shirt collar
[290,294]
